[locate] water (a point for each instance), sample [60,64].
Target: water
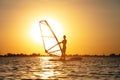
[40,68]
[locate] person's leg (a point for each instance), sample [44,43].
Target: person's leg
[64,56]
[64,53]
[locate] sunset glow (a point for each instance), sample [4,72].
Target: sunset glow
[91,27]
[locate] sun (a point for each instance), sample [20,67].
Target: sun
[35,30]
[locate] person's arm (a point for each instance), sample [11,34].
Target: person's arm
[60,42]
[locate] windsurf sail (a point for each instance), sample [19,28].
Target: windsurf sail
[50,40]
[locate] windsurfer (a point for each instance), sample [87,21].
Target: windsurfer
[64,42]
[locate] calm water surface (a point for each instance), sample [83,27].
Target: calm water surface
[89,68]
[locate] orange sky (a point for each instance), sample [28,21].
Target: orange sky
[92,27]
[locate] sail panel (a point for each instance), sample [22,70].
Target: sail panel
[49,40]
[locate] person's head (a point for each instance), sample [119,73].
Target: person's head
[64,36]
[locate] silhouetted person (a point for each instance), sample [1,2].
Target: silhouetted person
[64,42]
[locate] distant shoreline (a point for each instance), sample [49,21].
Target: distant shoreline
[39,55]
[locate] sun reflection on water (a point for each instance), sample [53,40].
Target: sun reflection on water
[48,69]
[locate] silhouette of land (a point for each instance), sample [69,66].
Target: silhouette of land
[38,55]
[20,55]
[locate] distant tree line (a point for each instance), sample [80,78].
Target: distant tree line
[110,55]
[20,55]
[114,55]
[38,54]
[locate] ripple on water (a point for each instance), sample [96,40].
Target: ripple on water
[89,68]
